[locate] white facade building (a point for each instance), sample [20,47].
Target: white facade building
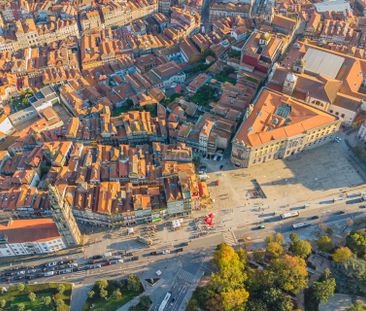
[29,237]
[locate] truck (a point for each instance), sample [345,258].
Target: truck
[300,225]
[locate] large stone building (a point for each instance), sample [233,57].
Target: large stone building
[29,237]
[219,9]
[280,126]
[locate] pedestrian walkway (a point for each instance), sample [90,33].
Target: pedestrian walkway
[185,276]
[79,296]
[230,238]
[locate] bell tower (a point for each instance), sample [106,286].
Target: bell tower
[63,217]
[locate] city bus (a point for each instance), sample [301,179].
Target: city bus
[300,225]
[165,301]
[289,215]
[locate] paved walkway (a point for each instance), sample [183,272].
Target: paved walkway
[79,296]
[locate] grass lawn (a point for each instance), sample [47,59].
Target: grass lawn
[96,303]
[117,111]
[14,298]
[100,304]
[223,78]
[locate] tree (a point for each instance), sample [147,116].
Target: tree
[243,256]
[324,287]
[274,249]
[357,306]
[278,237]
[214,303]
[103,293]
[234,299]
[356,241]
[144,303]
[32,297]
[60,304]
[342,254]
[117,294]
[192,305]
[294,237]
[301,248]
[2,303]
[47,300]
[325,244]
[91,294]
[133,283]
[20,287]
[256,305]
[61,288]
[290,273]
[275,299]
[101,284]
[20,306]
[258,254]
[231,274]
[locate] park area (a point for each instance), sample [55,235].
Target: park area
[112,294]
[37,297]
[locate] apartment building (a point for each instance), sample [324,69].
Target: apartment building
[30,34]
[280,126]
[220,9]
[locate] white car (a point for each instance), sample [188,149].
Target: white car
[158,273]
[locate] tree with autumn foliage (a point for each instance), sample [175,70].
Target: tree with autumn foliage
[290,273]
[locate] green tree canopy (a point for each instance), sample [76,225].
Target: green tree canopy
[301,248]
[20,287]
[133,283]
[47,300]
[356,241]
[91,294]
[325,244]
[2,303]
[61,288]
[32,297]
[103,293]
[101,284]
[277,300]
[357,306]
[277,237]
[324,287]
[117,294]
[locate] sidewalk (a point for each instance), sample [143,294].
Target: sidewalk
[79,296]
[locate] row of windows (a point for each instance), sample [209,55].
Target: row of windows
[337,113]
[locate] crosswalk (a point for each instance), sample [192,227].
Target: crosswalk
[230,238]
[186,276]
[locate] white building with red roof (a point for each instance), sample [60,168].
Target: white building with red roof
[29,236]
